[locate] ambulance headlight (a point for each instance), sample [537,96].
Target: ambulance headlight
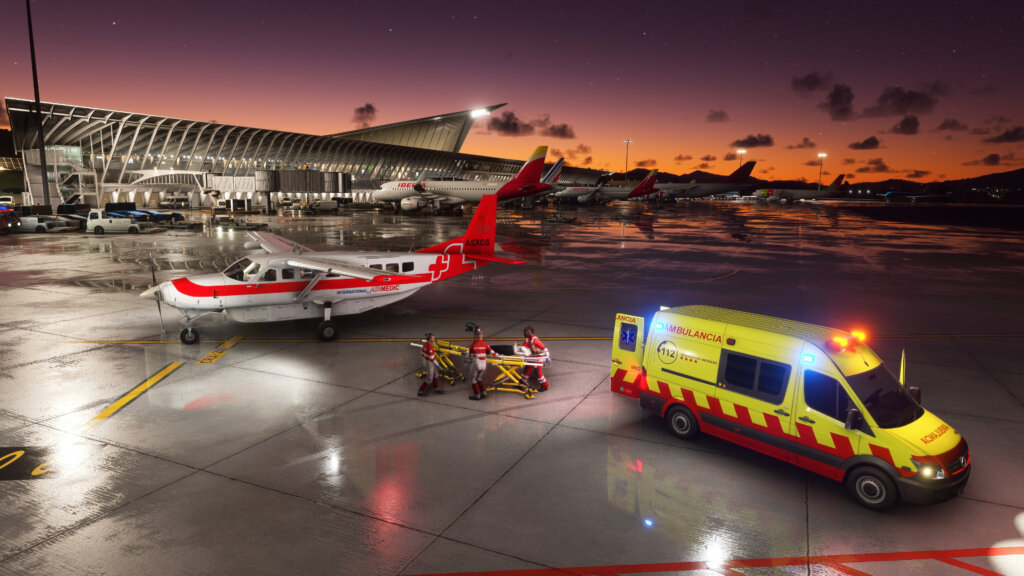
[929,471]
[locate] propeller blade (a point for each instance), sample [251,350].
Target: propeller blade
[159,311]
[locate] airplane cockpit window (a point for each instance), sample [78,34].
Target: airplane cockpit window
[252,272]
[237,270]
[269,276]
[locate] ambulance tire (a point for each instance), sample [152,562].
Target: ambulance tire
[327,330]
[872,488]
[682,422]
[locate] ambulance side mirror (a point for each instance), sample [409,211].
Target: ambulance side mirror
[853,419]
[915,393]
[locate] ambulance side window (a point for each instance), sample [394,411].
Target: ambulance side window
[825,395]
[757,377]
[627,337]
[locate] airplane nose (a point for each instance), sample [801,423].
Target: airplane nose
[151,294]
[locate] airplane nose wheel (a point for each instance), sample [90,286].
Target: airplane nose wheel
[189,336]
[327,330]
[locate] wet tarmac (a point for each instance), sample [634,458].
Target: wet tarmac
[264,451]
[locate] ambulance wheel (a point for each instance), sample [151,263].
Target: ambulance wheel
[327,330]
[682,422]
[189,336]
[872,488]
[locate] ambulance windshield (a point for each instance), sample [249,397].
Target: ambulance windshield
[884,398]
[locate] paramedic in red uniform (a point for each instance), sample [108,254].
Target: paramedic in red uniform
[428,353]
[539,351]
[478,352]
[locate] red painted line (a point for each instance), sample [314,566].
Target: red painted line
[845,569]
[835,561]
[966,566]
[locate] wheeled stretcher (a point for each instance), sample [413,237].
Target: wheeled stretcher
[510,368]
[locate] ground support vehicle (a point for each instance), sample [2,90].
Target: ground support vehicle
[46,224]
[810,395]
[100,223]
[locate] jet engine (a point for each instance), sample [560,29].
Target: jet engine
[413,203]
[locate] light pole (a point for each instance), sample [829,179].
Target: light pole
[39,111]
[625,175]
[821,162]
[741,152]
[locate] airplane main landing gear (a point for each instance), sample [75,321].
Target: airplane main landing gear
[189,336]
[327,330]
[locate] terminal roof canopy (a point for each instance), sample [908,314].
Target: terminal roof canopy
[445,133]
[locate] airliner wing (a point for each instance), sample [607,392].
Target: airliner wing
[275,244]
[341,269]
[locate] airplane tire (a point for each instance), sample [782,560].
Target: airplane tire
[189,336]
[98,230]
[872,488]
[682,422]
[327,330]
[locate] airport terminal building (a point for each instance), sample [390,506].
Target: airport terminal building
[114,156]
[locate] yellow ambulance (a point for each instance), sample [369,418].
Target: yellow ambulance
[814,396]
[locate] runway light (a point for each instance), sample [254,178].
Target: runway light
[648,522]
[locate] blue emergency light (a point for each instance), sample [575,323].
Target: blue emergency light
[808,359]
[659,326]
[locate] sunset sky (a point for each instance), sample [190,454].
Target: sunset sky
[919,90]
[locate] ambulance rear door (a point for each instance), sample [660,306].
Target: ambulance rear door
[627,374]
[822,442]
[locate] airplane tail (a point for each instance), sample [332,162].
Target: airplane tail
[471,250]
[837,182]
[742,174]
[555,173]
[527,180]
[646,187]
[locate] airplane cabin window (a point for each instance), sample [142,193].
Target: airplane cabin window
[270,275]
[288,274]
[392,267]
[376,266]
[307,274]
[407,266]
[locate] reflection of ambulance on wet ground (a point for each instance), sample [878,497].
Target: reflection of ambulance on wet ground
[813,396]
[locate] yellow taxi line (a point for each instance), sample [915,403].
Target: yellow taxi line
[127,398]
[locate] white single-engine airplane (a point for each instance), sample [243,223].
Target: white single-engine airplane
[292,281]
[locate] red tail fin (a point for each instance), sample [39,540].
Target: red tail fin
[527,180]
[471,250]
[646,187]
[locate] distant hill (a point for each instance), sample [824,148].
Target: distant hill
[1013,180]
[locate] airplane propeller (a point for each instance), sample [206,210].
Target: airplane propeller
[159,311]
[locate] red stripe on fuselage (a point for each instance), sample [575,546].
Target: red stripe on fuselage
[191,289]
